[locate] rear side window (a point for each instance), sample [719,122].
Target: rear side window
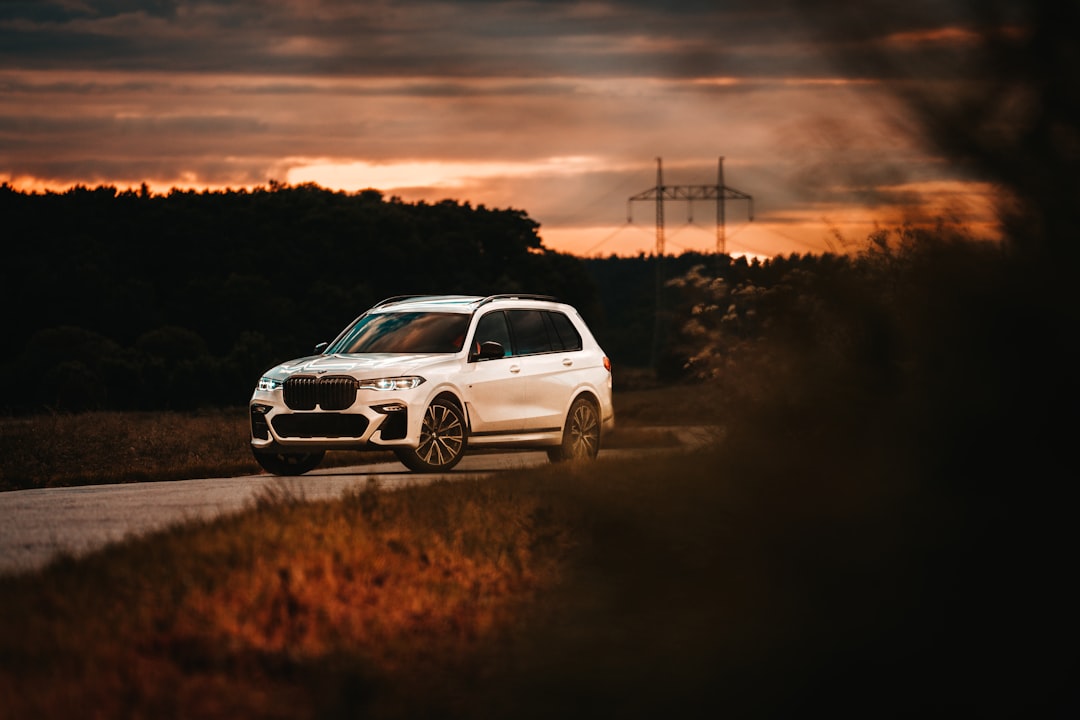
[564,335]
[541,331]
[530,332]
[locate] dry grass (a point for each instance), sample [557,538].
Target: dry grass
[372,598]
[389,604]
[104,447]
[55,450]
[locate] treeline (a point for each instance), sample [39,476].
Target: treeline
[130,300]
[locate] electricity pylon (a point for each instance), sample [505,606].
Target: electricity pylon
[718,192]
[661,192]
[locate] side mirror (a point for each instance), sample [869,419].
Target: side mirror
[490,350]
[320,347]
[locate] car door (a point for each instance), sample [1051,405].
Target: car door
[494,388]
[546,367]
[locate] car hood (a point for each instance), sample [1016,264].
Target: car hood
[359,366]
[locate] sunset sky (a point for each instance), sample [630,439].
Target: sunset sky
[557,108]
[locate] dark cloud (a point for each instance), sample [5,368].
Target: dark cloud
[463,38]
[453,39]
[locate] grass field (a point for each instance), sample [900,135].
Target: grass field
[382,604]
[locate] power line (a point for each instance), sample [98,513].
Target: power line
[610,235]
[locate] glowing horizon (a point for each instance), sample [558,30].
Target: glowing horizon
[835,230]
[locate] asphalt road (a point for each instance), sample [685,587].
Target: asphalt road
[37,525]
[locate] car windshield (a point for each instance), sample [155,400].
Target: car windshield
[404,332]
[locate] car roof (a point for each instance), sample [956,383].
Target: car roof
[452,303]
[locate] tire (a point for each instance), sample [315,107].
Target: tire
[581,433]
[443,439]
[282,463]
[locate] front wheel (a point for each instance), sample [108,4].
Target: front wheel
[443,439]
[282,463]
[581,434]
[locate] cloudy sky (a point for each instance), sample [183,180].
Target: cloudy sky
[555,107]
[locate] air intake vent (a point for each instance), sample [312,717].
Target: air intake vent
[320,425]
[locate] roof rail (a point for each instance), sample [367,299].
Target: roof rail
[394,299]
[516,296]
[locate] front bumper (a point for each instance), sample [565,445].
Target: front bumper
[384,423]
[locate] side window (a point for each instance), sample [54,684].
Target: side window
[492,327]
[564,330]
[530,332]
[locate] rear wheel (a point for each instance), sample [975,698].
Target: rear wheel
[443,439]
[282,463]
[581,433]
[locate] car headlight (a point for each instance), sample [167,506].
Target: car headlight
[270,384]
[390,383]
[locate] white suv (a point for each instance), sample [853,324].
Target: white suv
[430,376]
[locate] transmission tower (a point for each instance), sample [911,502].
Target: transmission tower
[718,192]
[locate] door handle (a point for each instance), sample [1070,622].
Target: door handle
[567,362]
[515,369]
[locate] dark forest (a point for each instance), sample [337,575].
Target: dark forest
[125,300]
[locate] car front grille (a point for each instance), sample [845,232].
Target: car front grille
[306,392]
[328,425]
